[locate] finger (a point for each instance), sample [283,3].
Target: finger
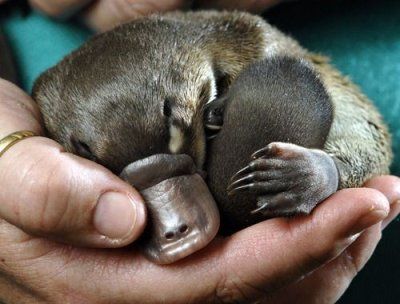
[251,6]
[282,251]
[104,14]
[390,187]
[50,193]
[328,283]
[60,8]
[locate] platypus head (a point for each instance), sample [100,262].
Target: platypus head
[128,94]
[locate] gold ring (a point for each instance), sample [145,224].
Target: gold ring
[10,140]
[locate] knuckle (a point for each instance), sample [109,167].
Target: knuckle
[230,291]
[348,264]
[58,196]
[231,287]
[51,194]
[317,258]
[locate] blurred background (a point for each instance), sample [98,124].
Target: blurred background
[361,37]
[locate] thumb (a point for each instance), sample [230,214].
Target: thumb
[50,193]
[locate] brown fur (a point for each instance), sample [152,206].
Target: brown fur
[110,93]
[359,139]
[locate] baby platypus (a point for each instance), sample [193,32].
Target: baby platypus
[142,89]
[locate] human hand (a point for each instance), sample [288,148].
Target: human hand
[102,15]
[260,261]
[328,283]
[53,194]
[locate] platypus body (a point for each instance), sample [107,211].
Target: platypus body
[143,89]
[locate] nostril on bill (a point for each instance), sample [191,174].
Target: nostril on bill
[183,228]
[184,220]
[169,235]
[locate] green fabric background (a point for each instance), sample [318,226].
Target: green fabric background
[361,37]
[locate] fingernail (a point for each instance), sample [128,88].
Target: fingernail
[370,219]
[115,215]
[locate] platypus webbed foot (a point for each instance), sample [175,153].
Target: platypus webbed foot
[287,179]
[183,216]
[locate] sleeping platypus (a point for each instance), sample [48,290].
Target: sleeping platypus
[142,89]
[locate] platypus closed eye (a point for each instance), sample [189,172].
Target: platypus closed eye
[82,149]
[167,111]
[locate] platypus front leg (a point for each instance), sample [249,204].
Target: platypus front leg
[287,179]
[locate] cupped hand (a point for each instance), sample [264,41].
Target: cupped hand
[50,193]
[310,258]
[102,15]
[54,195]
